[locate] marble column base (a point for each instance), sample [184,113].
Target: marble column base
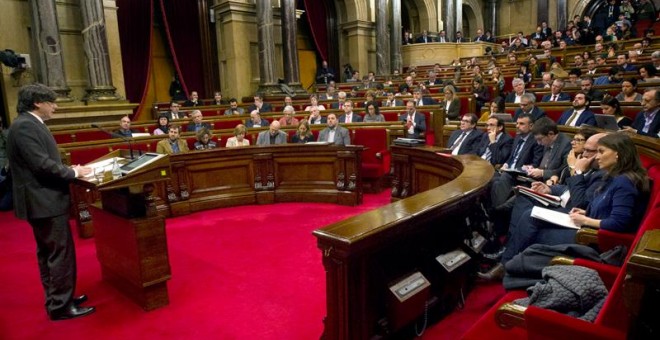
[270,89]
[63,95]
[101,94]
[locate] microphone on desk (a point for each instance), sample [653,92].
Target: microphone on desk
[115,135]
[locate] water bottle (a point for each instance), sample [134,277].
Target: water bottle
[116,173]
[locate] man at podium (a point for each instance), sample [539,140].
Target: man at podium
[41,196]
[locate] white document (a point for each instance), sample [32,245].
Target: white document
[559,218]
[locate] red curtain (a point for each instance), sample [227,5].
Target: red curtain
[181,22]
[135,21]
[316,13]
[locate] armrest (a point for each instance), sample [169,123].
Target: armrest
[510,315]
[587,236]
[548,324]
[607,273]
[562,260]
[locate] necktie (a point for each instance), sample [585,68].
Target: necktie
[516,153]
[487,155]
[348,119]
[554,98]
[570,120]
[458,141]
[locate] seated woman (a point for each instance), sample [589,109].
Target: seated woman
[618,204]
[577,147]
[239,137]
[480,92]
[495,106]
[648,73]
[373,113]
[611,106]
[163,125]
[629,92]
[451,103]
[498,78]
[204,141]
[287,117]
[303,135]
[314,100]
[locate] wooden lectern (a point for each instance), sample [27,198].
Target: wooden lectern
[131,243]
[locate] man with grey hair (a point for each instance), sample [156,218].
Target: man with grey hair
[288,119]
[655,57]
[555,94]
[272,136]
[518,91]
[341,98]
[527,106]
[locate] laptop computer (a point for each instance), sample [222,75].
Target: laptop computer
[503,116]
[607,122]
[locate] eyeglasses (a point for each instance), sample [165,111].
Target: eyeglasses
[466,121]
[579,140]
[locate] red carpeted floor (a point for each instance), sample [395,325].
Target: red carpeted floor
[250,272]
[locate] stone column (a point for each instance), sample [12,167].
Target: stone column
[290,46]
[561,14]
[48,48]
[449,11]
[359,34]
[395,36]
[382,39]
[267,81]
[458,15]
[95,44]
[492,9]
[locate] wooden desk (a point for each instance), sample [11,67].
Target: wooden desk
[363,254]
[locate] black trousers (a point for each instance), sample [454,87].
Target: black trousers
[57,260]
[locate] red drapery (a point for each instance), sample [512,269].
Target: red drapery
[181,22]
[135,21]
[317,18]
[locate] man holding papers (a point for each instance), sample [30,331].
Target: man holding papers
[616,202]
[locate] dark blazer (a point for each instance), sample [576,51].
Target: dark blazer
[587,117]
[437,81]
[171,117]
[341,136]
[619,206]
[420,39]
[511,97]
[454,108]
[334,106]
[595,95]
[470,144]
[500,150]
[562,97]
[420,125]
[356,118]
[250,124]
[191,127]
[557,158]
[484,96]
[530,154]
[266,107]
[427,101]
[190,103]
[537,113]
[323,120]
[582,188]
[41,181]
[638,124]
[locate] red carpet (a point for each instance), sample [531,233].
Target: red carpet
[250,272]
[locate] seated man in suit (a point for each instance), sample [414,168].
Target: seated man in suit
[586,84]
[197,123]
[174,111]
[233,108]
[495,145]
[124,130]
[518,91]
[647,122]
[217,98]
[193,100]
[315,116]
[259,104]
[579,114]
[349,116]
[421,100]
[527,107]
[172,144]
[424,38]
[391,100]
[555,93]
[255,120]
[273,136]
[555,149]
[334,133]
[467,139]
[341,98]
[432,79]
[414,121]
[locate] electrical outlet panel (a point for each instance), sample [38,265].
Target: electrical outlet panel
[453,259]
[409,286]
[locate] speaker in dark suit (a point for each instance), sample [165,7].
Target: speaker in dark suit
[41,196]
[495,145]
